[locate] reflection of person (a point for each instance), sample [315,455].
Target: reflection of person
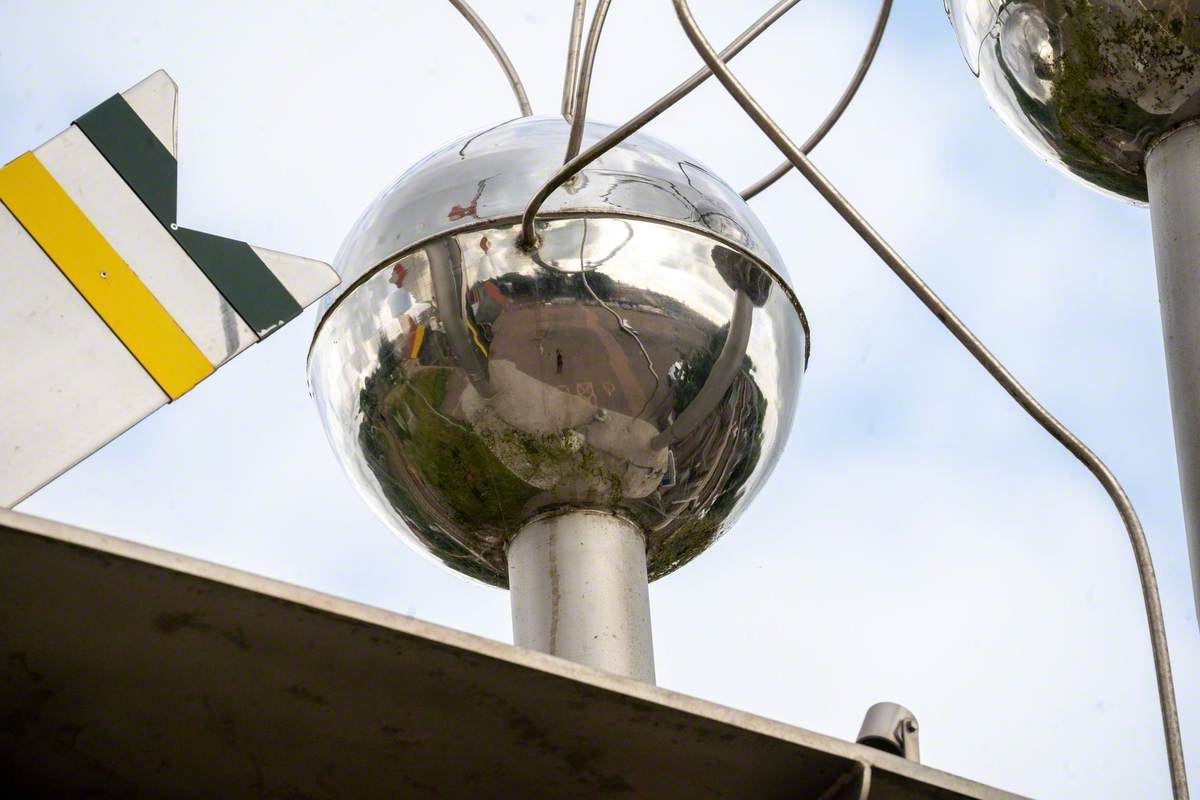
[413,339]
[414,329]
[399,274]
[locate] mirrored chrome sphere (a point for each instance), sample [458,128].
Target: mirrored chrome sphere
[644,360]
[1089,84]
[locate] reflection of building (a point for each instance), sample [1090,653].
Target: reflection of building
[580,391]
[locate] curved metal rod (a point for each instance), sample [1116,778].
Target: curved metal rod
[1137,537]
[720,376]
[445,262]
[568,98]
[579,109]
[835,114]
[528,238]
[489,39]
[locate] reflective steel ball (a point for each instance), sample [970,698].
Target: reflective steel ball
[1089,84]
[644,360]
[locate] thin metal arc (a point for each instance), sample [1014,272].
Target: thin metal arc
[835,113]
[584,86]
[528,236]
[995,368]
[720,376]
[510,72]
[573,44]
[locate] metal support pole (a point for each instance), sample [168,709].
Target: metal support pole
[579,591]
[1173,178]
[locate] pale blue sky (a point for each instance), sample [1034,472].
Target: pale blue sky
[920,541]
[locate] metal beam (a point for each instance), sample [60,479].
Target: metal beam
[128,670]
[1173,184]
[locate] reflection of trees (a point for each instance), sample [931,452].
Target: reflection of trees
[688,375]
[724,453]
[1113,55]
[551,284]
[554,284]
[445,480]
[435,472]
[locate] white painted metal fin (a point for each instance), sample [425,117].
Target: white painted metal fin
[156,101]
[68,386]
[306,279]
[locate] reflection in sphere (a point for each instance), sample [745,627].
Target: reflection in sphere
[1088,84]
[644,361]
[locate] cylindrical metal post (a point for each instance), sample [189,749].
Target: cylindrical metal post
[579,591]
[1173,177]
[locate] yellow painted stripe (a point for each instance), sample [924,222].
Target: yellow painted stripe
[478,340]
[418,339]
[98,273]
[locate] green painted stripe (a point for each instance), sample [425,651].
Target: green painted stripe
[237,271]
[135,153]
[152,172]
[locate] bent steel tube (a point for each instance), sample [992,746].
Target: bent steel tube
[720,377]
[528,234]
[835,113]
[445,262]
[510,72]
[584,88]
[1173,184]
[573,43]
[995,368]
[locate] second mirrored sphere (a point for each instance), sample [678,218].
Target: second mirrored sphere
[1088,84]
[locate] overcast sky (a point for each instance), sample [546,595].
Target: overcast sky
[921,540]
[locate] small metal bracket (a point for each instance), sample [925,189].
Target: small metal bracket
[853,784]
[892,728]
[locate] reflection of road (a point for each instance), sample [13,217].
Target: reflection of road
[634,395]
[580,348]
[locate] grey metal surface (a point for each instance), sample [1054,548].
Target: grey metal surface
[575,358]
[468,385]
[1088,84]
[68,385]
[1173,172]
[995,368]
[893,728]
[489,176]
[129,671]
[855,784]
[579,592]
